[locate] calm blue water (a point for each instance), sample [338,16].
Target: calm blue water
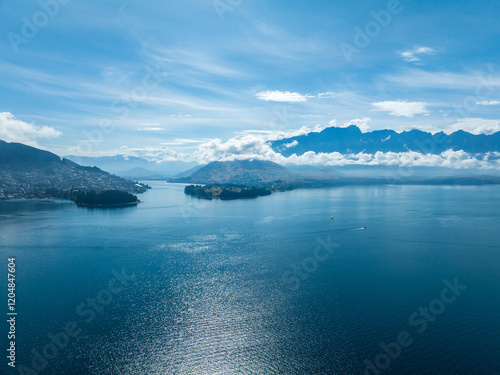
[241,287]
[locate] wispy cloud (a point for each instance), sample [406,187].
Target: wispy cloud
[417,78]
[182,141]
[150,129]
[402,108]
[413,54]
[488,102]
[194,62]
[327,95]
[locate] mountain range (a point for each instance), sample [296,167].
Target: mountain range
[351,140]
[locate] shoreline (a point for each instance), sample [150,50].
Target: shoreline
[111,205]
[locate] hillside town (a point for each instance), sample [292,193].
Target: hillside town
[16,185]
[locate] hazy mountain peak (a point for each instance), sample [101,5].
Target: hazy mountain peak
[238,171]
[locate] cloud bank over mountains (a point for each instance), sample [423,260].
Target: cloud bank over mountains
[250,147]
[262,146]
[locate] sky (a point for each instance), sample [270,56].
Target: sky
[204,78]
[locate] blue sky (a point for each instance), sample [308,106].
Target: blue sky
[166,77]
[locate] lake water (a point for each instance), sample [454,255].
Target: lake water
[264,286]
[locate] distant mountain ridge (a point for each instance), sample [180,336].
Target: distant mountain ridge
[133,166]
[352,140]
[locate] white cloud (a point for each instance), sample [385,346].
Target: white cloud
[182,141]
[326,95]
[362,124]
[150,129]
[14,130]
[282,96]
[402,108]
[484,82]
[488,102]
[476,126]
[290,97]
[291,144]
[412,54]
